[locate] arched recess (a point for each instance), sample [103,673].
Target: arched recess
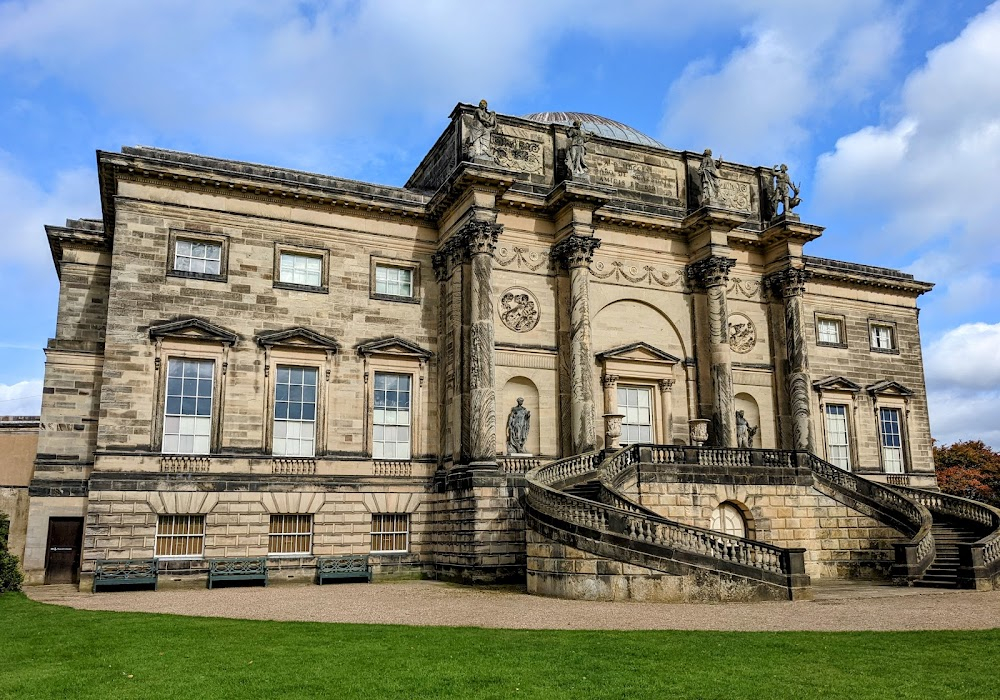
[733,518]
[625,321]
[515,388]
[751,413]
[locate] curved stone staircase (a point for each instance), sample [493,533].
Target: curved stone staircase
[580,502]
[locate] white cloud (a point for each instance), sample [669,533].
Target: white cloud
[924,185]
[798,60]
[958,416]
[21,399]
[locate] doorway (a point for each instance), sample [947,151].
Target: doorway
[62,554]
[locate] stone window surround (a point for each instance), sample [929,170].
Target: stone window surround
[894,350]
[840,319]
[902,405]
[194,349]
[307,251]
[384,260]
[413,367]
[198,237]
[310,358]
[641,373]
[847,400]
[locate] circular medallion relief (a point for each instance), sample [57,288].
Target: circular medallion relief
[519,309]
[742,333]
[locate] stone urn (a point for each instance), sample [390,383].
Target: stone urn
[699,431]
[613,430]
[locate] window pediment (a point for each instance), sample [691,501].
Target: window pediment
[834,383]
[394,345]
[297,338]
[638,352]
[193,329]
[888,388]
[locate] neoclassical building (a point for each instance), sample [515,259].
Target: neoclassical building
[561,353]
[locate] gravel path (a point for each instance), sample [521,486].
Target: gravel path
[836,608]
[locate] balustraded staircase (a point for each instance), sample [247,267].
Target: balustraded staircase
[579,501]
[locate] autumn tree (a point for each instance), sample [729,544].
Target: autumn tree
[970,469]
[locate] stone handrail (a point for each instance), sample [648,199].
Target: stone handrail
[979,560]
[664,538]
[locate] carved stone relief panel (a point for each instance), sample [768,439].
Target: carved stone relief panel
[519,309]
[742,333]
[734,195]
[513,149]
[618,271]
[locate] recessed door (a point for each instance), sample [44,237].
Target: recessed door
[62,556]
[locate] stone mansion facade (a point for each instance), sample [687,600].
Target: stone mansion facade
[252,361]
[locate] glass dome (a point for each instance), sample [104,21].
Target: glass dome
[602,126]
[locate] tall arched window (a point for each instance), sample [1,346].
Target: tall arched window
[729,519]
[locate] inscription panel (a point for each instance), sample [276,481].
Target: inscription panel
[630,176]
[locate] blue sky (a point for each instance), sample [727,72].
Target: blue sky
[887,112]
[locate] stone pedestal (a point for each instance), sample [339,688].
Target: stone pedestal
[712,274]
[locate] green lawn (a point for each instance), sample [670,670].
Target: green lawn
[54,652]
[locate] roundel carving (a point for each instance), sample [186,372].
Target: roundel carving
[519,309]
[742,333]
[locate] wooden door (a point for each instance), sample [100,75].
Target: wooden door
[62,555]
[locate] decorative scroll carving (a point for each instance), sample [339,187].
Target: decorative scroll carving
[790,282]
[636,275]
[742,333]
[522,258]
[751,289]
[712,271]
[517,153]
[519,309]
[734,195]
[575,250]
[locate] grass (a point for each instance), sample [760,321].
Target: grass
[55,652]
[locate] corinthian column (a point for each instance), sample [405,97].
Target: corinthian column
[576,252]
[790,283]
[479,239]
[712,274]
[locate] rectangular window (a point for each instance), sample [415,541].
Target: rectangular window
[200,257]
[295,412]
[180,535]
[882,337]
[391,426]
[636,403]
[390,532]
[837,445]
[306,270]
[891,433]
[393,281]
[290,534]
[829,331]
[187,415]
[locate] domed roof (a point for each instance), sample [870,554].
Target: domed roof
[602,126]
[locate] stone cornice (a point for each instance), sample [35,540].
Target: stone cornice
[865,275]
[712,271]
[575,251]
[83,233]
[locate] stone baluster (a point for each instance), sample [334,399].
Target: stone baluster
[790,283]
[667,410]
[712,274]
[576,252]
[479,239]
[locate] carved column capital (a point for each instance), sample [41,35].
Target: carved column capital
[609,380]
[575,251]
[479,237]
[440,263]
[790,282]
[712,271]
[666,385]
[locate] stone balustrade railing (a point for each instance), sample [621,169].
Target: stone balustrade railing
[980,560]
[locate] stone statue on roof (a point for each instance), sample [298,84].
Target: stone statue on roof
[577,152]
[479,145]
[709,175]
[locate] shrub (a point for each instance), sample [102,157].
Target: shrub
[11,577]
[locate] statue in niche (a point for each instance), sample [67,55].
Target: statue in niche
[479,145]
[744,431]
[518,425]
[779,189]
[709,178]
[577,151]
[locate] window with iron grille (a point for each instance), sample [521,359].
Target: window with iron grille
[295,412]
[198,256]
[187,411]
[290,534]
[390,532]
[180,536]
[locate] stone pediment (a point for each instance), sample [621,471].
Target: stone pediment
[394,346]
[298,337]
[193,329]
[834,383]
[638,352]
[888,388]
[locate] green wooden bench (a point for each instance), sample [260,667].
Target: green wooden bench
[124,572]
[237,569]
[350,566]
